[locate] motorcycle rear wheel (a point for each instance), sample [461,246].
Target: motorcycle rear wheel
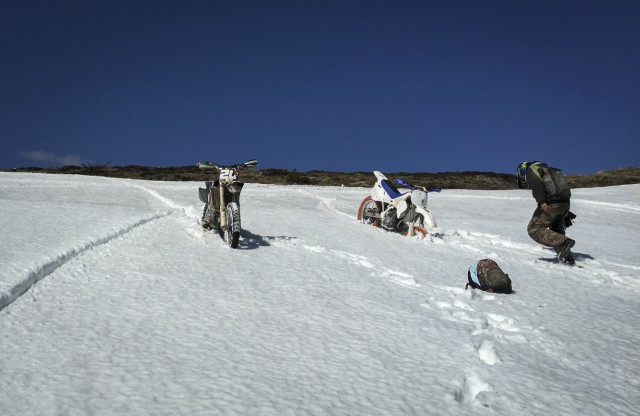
[232,233]
[369,211]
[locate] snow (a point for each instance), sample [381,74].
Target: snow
[114,301]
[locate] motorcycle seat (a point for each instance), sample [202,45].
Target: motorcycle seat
[390,189]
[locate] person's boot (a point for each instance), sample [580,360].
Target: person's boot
[570,260]
[565,250]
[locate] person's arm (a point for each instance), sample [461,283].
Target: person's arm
[537,189]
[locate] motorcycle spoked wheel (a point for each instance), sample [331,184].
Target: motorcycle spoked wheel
[232,233]
[368,207]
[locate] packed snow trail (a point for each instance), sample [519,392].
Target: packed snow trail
[314,313]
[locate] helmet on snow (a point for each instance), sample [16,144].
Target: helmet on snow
[521,173]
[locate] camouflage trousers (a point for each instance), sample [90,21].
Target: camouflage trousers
[548,229]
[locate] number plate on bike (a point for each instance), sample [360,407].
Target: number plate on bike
[228,175]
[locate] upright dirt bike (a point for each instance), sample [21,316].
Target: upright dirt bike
[222,200]
[405,212]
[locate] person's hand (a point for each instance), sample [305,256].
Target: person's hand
[545,207]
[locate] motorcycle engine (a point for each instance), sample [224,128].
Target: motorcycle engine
[389,218]
[235,187]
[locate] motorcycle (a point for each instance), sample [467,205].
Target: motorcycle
[222,200]
[405,212]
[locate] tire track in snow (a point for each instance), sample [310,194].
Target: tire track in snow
[474,240]
[377,270]
[363,262]
[327,203]
[609,205]
[168,202]
[49,267]
[60,260]
[188,210]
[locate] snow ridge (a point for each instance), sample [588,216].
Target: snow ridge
[49,267]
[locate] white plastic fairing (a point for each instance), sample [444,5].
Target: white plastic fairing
[428,218]
[419,198]
[401,209]
[379,175]
[378,194]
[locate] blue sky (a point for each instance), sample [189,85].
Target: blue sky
[415,86]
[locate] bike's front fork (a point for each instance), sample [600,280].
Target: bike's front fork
[223,210]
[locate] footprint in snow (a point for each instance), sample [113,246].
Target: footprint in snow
[501,327]
[504,323]
[469,388]
[487,352]
[456,310]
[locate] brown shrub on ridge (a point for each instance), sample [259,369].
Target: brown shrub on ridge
[444,180]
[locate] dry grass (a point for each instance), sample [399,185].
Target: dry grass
[445,180]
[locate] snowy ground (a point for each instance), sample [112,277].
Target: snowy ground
[137,311]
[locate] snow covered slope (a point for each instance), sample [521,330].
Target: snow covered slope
[114,301]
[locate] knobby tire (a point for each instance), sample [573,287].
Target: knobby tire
[376,222]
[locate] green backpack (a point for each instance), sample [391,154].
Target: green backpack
[555,184]
[487,275]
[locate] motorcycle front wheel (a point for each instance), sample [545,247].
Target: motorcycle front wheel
[232,233]
[369,211]
[417,230]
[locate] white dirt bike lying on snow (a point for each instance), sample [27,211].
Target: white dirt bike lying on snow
[393,210]
[222,200]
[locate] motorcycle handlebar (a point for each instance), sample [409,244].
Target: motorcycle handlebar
[211,165]
[406,184]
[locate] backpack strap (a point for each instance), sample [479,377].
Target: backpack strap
[470,282]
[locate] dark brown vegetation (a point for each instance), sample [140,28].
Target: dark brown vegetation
[445,180]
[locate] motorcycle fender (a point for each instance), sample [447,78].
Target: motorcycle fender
[379,175]
[428,218]
[377,192]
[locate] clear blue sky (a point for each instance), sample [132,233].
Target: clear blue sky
[416,86]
